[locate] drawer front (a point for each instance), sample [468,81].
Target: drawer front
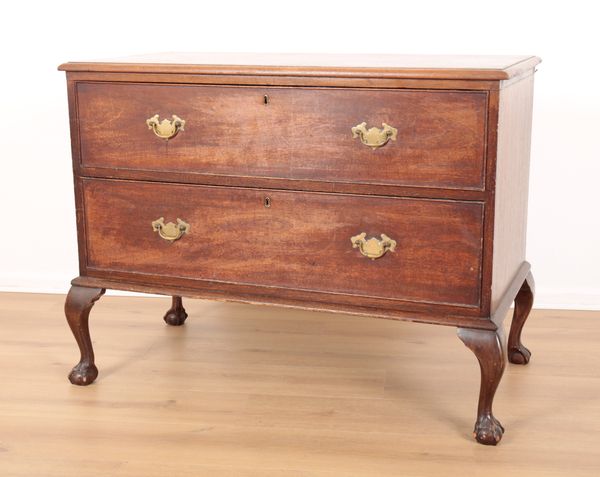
[286,239]
[434,139]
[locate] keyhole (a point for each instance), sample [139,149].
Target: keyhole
[267,202]
[266,99]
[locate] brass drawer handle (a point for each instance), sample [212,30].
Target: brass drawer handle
[165,129]
[170,231]
[374,137]
[373,248]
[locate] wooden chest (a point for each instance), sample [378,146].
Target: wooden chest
[388,186]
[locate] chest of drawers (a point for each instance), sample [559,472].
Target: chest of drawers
[385,186]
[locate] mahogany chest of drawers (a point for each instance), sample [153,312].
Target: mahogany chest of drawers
[387,186]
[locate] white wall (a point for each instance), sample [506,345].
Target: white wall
[38,244]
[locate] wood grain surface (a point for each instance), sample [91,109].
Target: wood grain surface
[512,185]
[270,149]
[244,391]
[302,133]
[470,67]
[301,241]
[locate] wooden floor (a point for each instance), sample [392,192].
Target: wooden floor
[265,392]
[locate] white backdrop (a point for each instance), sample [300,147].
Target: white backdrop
[37,239]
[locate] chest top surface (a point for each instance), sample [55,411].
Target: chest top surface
[359,65]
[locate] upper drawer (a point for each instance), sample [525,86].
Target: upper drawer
[289,133]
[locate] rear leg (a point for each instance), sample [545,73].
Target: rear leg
[517,353]
[176,315]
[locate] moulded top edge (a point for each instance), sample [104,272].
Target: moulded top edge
[326,65]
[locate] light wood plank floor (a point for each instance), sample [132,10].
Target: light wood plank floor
[258,391]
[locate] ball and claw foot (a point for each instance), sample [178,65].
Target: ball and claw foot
[78,304]
[176,315]
[519,355]
[83,374]
[488,431]
[488,347]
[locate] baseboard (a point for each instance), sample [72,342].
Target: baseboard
[40,283]
[567,300]
[48,284]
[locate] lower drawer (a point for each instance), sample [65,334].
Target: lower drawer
[431,250]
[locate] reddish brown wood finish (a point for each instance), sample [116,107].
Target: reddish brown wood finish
[301,241]
[489,349]
[294,80]
[289,184]
[78,305]
[509,207]
[176,315]
[448,67]
[517,353]
[302,133]
[453,188]
[284,298]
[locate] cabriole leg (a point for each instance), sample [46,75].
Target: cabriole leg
[176,315]
[517,353]
[487,347]
[80,301]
